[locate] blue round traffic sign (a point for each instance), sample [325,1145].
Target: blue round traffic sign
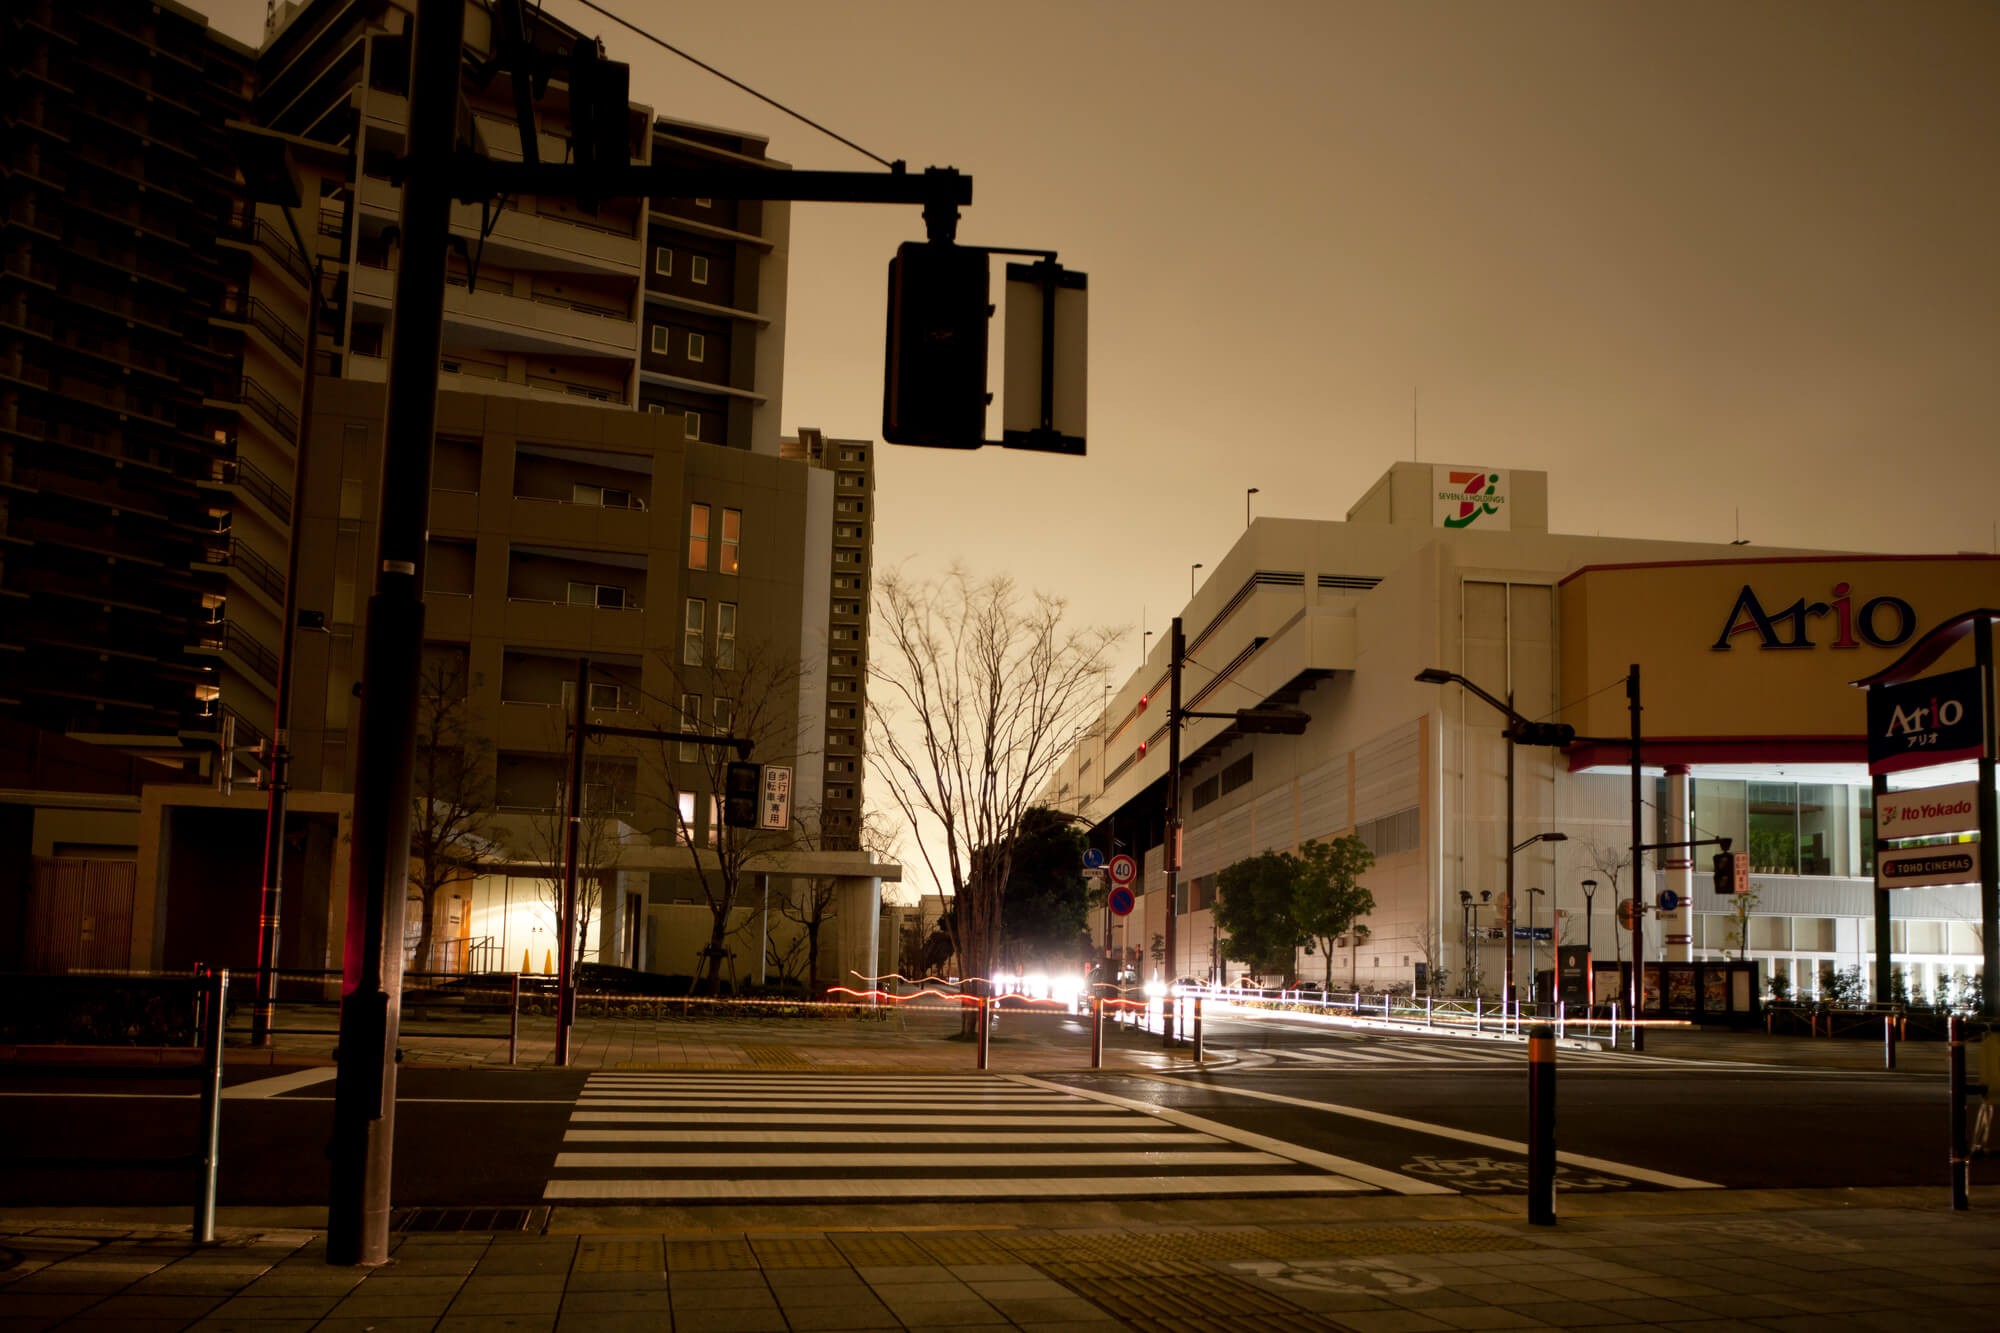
[1669,900]
[1121,901]
[1093,857]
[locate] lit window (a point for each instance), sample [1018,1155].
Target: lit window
[697,347]
[663,261]
[714,819]
[704,203]
[691,641]
[697,536]
[660,338]
[698,269]
[732,531]
[691,425]
[725,635]
[686,804]
[689,751]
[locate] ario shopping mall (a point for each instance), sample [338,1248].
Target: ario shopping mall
[1752,730]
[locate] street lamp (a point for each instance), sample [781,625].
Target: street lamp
[1191,569]
[1472,932]
[1534,996]
[1246,507]
[1590,966]
[1519,731]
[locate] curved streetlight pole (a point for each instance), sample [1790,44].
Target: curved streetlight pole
[1246,507]
[1191,569]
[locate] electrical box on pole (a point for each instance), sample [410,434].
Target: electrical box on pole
[934,376]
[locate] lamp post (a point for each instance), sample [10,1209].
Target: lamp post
[1520,847]
[1519,730]
[1246,507]
[1589,965]
[1472,933]
[1534,988]
[1191,569]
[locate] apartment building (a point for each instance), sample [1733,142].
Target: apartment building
[122,327]
[851,462]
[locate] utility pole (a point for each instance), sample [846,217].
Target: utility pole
[1171,860]
[1507,1000]
[572,837]
[1638,870]
[371,985]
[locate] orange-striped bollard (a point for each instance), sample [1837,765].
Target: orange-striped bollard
[1541,1126]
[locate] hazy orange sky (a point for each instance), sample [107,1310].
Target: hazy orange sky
[1683,256]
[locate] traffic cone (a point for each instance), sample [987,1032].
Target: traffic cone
[526,965]
[549,963]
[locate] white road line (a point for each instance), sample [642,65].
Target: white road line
[1048,1104]
[1361,1171]
[1153,1158]
[1445,1132]
[1060,1121]
[1306,1056]
[902,1187]
[983,1138]
[278,1083]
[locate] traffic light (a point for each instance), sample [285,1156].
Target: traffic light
[934,383]
[1541,733]
[1725,872]
[600,111]
[742,784]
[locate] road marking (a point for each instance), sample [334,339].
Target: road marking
[904,1188]
[1445,1132]
[983,1138]
[691,1102]
[1066,1119]
[281,1083]
[1373,1175]
[700,1160]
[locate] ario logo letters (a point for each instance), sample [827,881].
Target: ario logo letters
[1881,621]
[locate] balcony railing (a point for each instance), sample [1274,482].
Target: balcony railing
[226,637]
[255,569]
[253,479]
[255,396]
[266,321]
[277,245]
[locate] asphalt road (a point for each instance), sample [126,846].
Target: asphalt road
[1436,1110]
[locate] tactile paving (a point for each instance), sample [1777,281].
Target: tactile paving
[620,1256]
[692,1256]
[796,1252]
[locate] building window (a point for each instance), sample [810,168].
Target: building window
[606,696]
[839,632]
[1206,792]
[596,594]
[691,425]
[689,751]
[663,261]
[725,636]
[691,641]
[697,536]
[732,536]
[841,686]
[697,347]
[686,811]
[698,269]
[660,338]
[725,716]
[1237,774]
[657,409]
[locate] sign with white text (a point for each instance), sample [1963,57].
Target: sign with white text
[1927,867]
[1931,720]
[1927,812]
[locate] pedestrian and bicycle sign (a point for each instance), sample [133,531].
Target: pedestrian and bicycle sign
[1123,869]
[1121,901]
[1093,858]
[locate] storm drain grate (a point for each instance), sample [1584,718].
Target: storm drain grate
[470,1219]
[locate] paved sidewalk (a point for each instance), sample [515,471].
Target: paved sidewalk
[1783,1262]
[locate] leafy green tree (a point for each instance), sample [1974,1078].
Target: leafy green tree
[1326,901]
[1253,903]
[1045,910]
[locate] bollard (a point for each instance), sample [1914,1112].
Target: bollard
[1197,1029]
[1614,1025]
[985,1026]
[514,1020]
[1097,1032]
[1427,1011]
[216,995]
[1479,1013]
[1961,1150]
[1541,1126]
[1888,1041]
[1562,1018]
[1168,1015]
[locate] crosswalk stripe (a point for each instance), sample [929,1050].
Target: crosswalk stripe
[1096,1115]
[984,1138]
[690,1102]
[905,1188]
[709,1161]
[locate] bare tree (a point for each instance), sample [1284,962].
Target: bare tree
[545,845]
[1610,860]
[753,698]
[812,905]
[451,791]
[977,696]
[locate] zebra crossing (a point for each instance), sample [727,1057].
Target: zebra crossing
[781,1136]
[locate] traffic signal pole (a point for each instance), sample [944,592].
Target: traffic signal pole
[1171,859]
[361,1147]
[1638,868]
[572,828]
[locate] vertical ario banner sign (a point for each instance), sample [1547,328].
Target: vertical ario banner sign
[1469,497]
[1934,720]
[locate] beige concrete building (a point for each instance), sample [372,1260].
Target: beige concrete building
[1756,737]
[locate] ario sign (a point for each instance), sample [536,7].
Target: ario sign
[1931,720]
[1881,622]
[1927,813]
[1464,497]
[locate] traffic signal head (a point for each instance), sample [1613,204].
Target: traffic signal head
[1541,733]
[934,383]
[741,786]
[1725,872]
